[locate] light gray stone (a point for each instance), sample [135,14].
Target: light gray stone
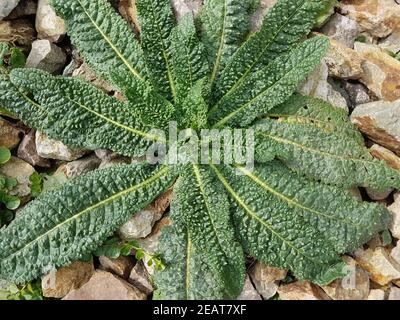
[140,278]
[394,293]
[182,7]
[52,149]
[357,93]
[341,29]
[46,56]
[249,292]
[394,209]
[78,167]
[376,294]
[6,6]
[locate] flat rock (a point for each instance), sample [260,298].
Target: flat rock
[106,286]
[107,163]
[21,171]
[394,208]
[343,62]
[381,71]
[46,56]
[17,32]
[376,294]
[141,223]
[59,283]
[301,290]
[342,29]
[395,253]
[6,7]
[266,279]
[48,25]
[139,277]
[377,17]
[394,293]
[380,121]
[249,292]
[391,43]
[381,267]
[9,135]
[78,167]
[52,149]
[27,151]
[355,286]
[381,153]
[120,266]
[317,86]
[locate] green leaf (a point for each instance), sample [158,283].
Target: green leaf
[202,205]
[156,23]
[224,25]
[188,57]
[36,182]
[69,222]
[82,116]
[4,49]
[327,156]
[283,27]
[11,202]
[307,110]
[280,238]
[188,274]
[5,155]
[104,39]
[270,86]
[16,101]
[343,220]
[17,58]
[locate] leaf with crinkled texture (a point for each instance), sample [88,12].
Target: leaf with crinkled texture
[104,39]
[284,26]
[268,87]
[201,203]
[95,120]
[18,103]
[329,157]
[71,221]
[224,25]
[156,23]
[188,57]
[4,48]
[308,110]
[192,111]
[278,238]
[188,274]
[337,215]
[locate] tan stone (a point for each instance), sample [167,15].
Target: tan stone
[120,266]
[380,122]
[301,290]
[106,286]
[48,25]
[249,292]
[266,279]
[85,72]
[127,8]
[343,62]
[139,277]
[394,209]
[355,286]
[386,155]
[9,135]
[394,293]
[376,294]
[27,151]
[381,71]
[377,17]
[377,262]
[21,171]
[59,283]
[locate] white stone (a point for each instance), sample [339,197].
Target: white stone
[48,24]
[341,29]
[376,294]
[394,208]
[394,293]
[6,6]
[52,149]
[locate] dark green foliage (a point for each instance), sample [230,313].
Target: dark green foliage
[291,211]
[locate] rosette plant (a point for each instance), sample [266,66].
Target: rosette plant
[293,211]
